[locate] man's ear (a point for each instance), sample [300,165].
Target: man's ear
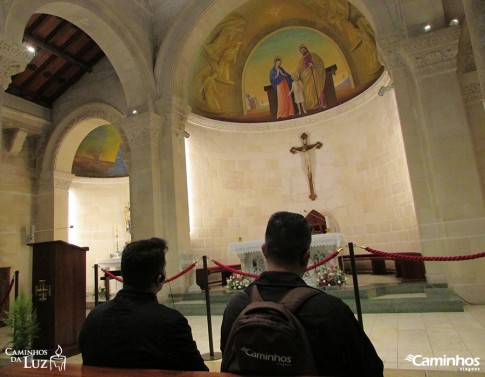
[263,249]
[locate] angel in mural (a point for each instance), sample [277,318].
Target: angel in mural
[281,82]
[311,70]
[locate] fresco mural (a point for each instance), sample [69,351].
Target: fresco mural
[101,154]
[296,58]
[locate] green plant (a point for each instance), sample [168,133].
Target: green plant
[101,293]
[331,276]
[23,323]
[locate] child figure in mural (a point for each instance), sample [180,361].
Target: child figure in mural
[297,90]
[281,82]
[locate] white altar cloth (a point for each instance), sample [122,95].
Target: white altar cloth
[252,259]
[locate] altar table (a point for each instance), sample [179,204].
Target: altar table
[252,259]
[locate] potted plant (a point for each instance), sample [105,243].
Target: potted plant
[23,323]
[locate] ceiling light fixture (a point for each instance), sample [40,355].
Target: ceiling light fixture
[30,49]
[134,112]
[427,28]
[454,22]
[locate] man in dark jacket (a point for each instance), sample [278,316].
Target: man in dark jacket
[340,347]
[133,330]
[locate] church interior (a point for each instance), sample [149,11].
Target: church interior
[129,119]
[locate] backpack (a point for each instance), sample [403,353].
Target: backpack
[267,339]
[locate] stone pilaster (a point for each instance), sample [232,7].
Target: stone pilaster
[143,132]
[174,179]
[53,206]
[440,154]
[475,17]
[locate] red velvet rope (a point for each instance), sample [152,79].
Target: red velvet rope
[234,271]
[425,258]
[184,271]
[8,292]
[248,274]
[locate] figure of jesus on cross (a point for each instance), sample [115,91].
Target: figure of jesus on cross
[305,149]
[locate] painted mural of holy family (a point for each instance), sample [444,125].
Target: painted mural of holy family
[303,87]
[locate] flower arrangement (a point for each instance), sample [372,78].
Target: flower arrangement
[237,282]
[331,276]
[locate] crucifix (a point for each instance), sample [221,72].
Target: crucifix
[305,149]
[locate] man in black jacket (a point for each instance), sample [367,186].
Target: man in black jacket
[133,330]
[340,347]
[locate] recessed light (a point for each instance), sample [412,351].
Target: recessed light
[427,28]
[454,22]
[31,49]
[134,112]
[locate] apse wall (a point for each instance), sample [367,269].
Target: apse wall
[97,211]
[239,174]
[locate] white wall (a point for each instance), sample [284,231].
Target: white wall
[96,209]
[238,179]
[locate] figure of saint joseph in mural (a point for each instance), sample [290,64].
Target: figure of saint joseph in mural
[312,73]
[281,82]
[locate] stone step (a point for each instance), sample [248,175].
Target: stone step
[375,298]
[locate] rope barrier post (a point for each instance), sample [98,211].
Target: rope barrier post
[96,285]
[356,284]
[17,274]
[211,356]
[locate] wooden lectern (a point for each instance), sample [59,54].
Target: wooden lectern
[59,294]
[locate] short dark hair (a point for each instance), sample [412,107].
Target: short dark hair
[288,237]
[142,261]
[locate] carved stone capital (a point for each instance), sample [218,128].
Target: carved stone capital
[389,50]
[433,52]
[470,87]
[55,180]
[175,112]
[13,59]
[142,129]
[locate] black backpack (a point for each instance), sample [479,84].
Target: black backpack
[267,339]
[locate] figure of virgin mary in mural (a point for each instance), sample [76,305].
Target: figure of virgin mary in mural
[281,82]
[312,73]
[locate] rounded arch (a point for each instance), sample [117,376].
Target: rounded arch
[71,131]
[107,26]
[172,68]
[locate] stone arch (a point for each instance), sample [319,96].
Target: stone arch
[109,30]
[69,133]
[55,173]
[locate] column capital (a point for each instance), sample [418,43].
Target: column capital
[389,49]
[432,52]
[55,180]
[470,87]
[13,59]
[175,112]
[142,129]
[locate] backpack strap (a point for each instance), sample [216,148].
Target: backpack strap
[297,296]
[292,300]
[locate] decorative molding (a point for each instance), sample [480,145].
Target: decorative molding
[389,50]
[175,112]
[303,122]
[142,129]
[13,59]
[433,52]
[62,181]
[470,87]
[16,142]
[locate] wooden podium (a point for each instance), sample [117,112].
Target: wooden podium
[59,294]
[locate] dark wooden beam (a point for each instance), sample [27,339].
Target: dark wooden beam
[57,52]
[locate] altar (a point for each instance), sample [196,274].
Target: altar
[113,265]
[252,259]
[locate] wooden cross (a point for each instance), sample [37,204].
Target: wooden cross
[305,149]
